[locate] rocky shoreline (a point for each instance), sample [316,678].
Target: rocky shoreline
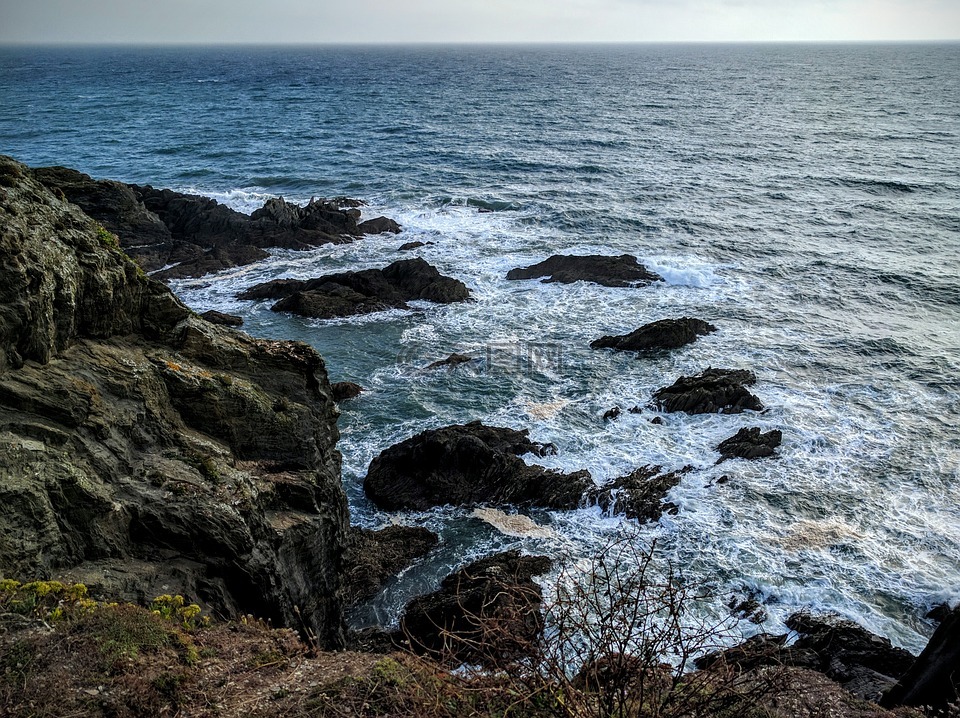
[148,450]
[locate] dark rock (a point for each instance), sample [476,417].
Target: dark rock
[622,271]
[371,290]
[148,451]
[848,653]
[754,652]
[451,362]
[226,320]
[939,612]
[748,608]
[616,671]
[488,612]
[379,225]
[709,392]
[406,246]
[658,420]
[659,335]
[374,557]
[934,678]
[343,390]
[465,465]
[612,414]
[639,495]
[635,409]
[749,444]
[161,227]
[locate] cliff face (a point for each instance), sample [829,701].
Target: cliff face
[146,451]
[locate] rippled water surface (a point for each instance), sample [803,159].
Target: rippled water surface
[805,199]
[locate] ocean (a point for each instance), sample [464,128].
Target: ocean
[803,198]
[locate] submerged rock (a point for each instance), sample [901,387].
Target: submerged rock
[147,451]
[709,392]
[407,246]
[371,290]
[639,495]
[749,444]
[622,271]
[488,612]
[662,334]
[451,362]
[466,465]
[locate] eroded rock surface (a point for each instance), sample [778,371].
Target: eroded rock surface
[709,392]
[750,443]
[660,335]
[467,465]
[374,557]
[639,495]
[148,451]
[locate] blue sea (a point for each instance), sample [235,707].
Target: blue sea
[803,198]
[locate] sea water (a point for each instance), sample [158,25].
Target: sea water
[803,198]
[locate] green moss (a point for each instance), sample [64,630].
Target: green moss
[108,239]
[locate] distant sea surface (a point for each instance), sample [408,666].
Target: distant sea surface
[805,199]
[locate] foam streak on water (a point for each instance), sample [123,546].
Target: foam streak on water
[802,198]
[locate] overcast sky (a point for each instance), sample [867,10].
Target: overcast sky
[323,21]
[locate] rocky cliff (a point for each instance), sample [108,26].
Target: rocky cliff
[147,451]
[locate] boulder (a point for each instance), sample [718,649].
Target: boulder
[343,390]
[934,678]
[146,450]
[639,495]
[749,444]
[659,335]
[488,612]
[709,392]
[374,557]
[407,246]
[226,320]
[622,271]
[370,290]
[379,225]
[467,465]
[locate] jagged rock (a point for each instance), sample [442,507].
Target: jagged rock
[226,320]
[373,557]
[197,234]
[662,334]
[612,414]
[622,271]
[379,225]
[407,246]
[370,290]
[749,444]
[639,495]
[488,612]
[343,390]
[658,420]
[149,451]
[465,465]
[451,362]
[709,392]
[934,678]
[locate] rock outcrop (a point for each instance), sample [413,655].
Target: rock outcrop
[466,465]
[639,495]
[711,391]
[488,612]
[373,557]
[934,678]
[148,451]
[655,336]
[622,271]
[370,290]
[750,443]
[198,235]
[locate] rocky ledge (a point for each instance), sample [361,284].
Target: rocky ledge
[183,235]
[622,271]
[351,293]
[148,451]
[709,392]
[466,465]
[655,336]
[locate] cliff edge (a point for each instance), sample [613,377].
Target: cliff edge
[147,451]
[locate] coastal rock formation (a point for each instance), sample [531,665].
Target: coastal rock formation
[148,451]
[749,443]
[934,678]
[659,335]
[639,495]
[451,362]
[343,390]
[198,235]
[622,271]
[488,612]
[465,465]
[370,290]
[225,320]
[709,392]
[373,557]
